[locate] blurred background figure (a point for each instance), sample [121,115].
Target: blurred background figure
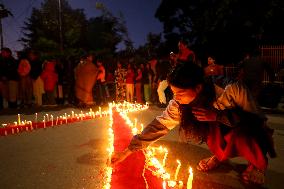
[153,62]
[163,67]
[213,69]
[185,54]
[130,79]
[147,79]
[36,70]
[138,85]
[25,82]
[120,85]
[251,72]
[60,71]
[9,78]
[103,94]
[50,79]
[85,78]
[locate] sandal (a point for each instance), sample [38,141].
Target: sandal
[208,164]
[253,175]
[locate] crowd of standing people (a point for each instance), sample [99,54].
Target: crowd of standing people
[29,80]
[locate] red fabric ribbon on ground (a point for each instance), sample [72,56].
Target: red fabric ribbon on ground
[129,173]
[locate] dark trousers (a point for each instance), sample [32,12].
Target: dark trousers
[49,98]
[102,92]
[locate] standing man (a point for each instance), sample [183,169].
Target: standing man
[213,69]
[10,77]
[36,69]
[185,54]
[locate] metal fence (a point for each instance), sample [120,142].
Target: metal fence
[272,54]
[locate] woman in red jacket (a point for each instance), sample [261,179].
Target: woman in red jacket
[50,78]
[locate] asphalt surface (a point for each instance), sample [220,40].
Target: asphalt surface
[74,156]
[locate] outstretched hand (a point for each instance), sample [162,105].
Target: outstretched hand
[202,114]
[118,157]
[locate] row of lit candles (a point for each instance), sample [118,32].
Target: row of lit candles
[110,150]
[63,119]
[160,168]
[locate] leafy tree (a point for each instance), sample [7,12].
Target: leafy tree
[224,28]
[42,28]
[3,14]
[106,32]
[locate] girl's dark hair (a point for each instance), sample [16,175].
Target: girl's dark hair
[186,75]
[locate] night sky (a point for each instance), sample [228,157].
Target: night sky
[139,16]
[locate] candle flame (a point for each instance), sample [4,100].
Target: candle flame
[190,178]
[164,185]
[177,169]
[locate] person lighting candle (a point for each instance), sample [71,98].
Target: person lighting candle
[224,116]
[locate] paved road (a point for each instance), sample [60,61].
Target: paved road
[74,155]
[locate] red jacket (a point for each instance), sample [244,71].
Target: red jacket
[24,67]
[49,76]
[129,78]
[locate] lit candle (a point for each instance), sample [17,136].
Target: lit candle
[177,169]
[15,123]
[31,124]
[164,185]
[36,117]
[47,117]
[66,117]
[142,127]
[56,120]
[135,123]
[43,121]
[100,111]
[51,120]
[189,180]
[165,157]
[19,119]
[172,183]
[180,184]
[72,115]
[91,113]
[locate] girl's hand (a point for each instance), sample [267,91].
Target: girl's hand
[202,114]
[118,157]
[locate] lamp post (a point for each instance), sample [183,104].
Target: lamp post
[60,25]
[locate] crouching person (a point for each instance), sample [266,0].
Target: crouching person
[227,119]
